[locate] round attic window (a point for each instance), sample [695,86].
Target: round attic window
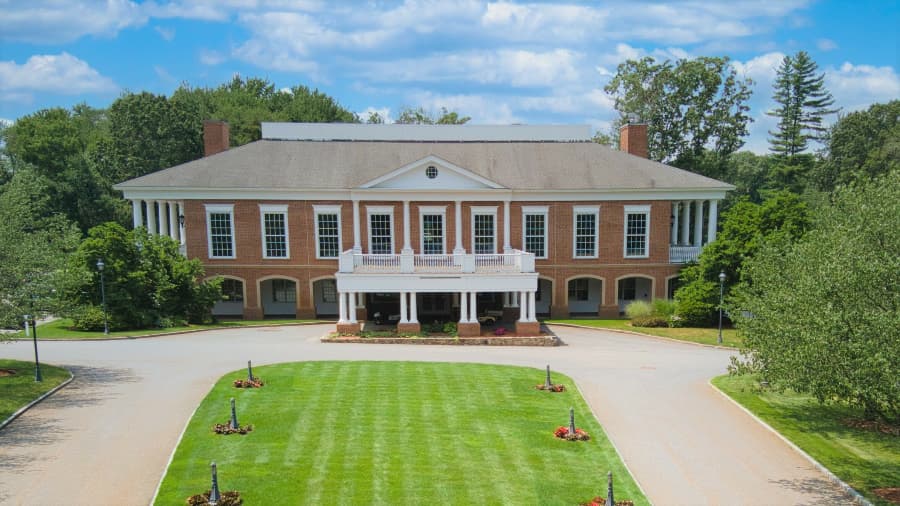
[431,172]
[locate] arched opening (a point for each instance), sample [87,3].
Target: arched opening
[673,283]
[585,295]
[325,297]
[278,297]
[543,298]
[633,288]
[232,303]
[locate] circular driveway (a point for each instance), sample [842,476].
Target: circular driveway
[106,438]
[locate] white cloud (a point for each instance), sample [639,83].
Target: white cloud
[164,74]
[858,86]
[210,57]
[761,69]
[384,112]
[167,34]
[826,45]
[62,73]
[492,110]
[59,21]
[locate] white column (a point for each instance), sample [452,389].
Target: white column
[711,225]
[463,307]
[173,221]
[403,311]
[473,315]
[686,224]
[505,299]
[151,217]
[180,224]
[674,238]
[406,247]
[163,218]
[137,213]
[357,245]
[507,247]
[523,307]
[413,312]
[532,312]
[698,224]
[342,308]
[351,306]
[514,299]
[458,247]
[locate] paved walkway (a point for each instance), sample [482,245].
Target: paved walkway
[106,438]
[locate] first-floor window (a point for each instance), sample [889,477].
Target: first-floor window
[220,225]
[433,234]
[578,289]
[535,233]
[629,287]
[329,291]
[637,230]
[275,234]
[283,290]
[232,290]
[328,233]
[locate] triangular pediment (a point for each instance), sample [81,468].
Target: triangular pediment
[432,173]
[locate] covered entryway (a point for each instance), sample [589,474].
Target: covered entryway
[543,298]
[633,288]
[585,295]
[232,303]
[278,297]
[325,297]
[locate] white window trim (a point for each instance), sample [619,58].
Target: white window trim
[282,209]
[219,209]
[635,210]
[431,210]
[484,210]
[331,209]
[595,210]
[531,210]
[370,210]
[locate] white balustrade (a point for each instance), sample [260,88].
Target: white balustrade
[518,261]
[683,254]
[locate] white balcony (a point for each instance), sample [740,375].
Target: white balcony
[513,263]
[684,254]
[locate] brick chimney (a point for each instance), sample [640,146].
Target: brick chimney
[633,139]
[215,137]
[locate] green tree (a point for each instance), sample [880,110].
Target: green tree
[822,315]
[803,101]
[862,144]
[148,282]
[689,106]
[419,116]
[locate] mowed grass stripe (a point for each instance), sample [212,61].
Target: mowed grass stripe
[396,433]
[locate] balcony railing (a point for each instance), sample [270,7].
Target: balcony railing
[360,263]
[684,254]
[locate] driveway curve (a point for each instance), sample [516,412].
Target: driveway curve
[107,437]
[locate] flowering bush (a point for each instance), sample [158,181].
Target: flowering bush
[226,429]
[500,331]
[601,501]
[242,383]
[229,498]
[552,388]
[563,433]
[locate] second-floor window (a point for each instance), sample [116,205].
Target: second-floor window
[274,231]
[483,231]
[534,231]
[586,232]
[432,234]
[637,231]
[328,231]
[380,237]
[220,227]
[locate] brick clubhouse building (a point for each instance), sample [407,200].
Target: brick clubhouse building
[422,223]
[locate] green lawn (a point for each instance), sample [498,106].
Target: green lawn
[730,337]
[61,329]
[18,390]
[396,433]
[866,460]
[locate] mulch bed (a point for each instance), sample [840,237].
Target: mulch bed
[229,498]
[873,426]
[891,494]
[7,372]
[601,501]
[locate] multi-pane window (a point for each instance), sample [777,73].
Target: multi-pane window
[629,288]
[433,234]
[328,233]
[275,242]
[535,232]
[220,224]
[637,231]
[380,234]
[578,289]
[232,290]
[586,221]
[483,232]
[283,290]
[329,291]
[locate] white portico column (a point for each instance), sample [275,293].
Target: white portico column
[514,299]
[463,307]
[523,303]
[686,224]
[711,225]
[151,217]
[413,312]
[137,213]
[406,247]
[403,311]
[173,221]
[698,224]
[473,315]
[351,306]
[357,245]
[674,238]
[163,218]
[507,247]
[458,247]
[532,312]
[505,299]
[342,307]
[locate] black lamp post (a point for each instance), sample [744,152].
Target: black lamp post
[29,320]
[721,301]
[100,266]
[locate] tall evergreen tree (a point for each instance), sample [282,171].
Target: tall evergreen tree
[802,101]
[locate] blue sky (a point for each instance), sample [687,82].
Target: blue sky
[498,62]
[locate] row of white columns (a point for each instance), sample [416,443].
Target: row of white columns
[407,246]
[681,222]
[347,304]
[162,217]
[468,306]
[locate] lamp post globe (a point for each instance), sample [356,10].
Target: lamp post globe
[100,266]
[721,301]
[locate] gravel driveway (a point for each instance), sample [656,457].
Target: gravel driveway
[106,438]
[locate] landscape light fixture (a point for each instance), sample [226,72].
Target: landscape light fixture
[100,266]
[721,301]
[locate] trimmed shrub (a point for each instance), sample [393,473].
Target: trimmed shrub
[650,321]
[638,308]
[89,318]
[695,305]
[663,307]
[450,329]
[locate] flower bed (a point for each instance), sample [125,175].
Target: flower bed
[229,498]
[242,383]
[551,388]
[579,435]
[601,501]
[226,429]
